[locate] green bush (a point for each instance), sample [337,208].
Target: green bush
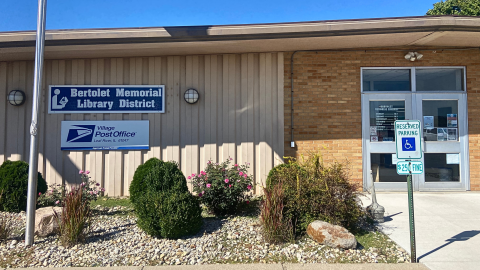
[285,173]
[315,191]
[168,214]
[290,177]
[14,186]
[156,176]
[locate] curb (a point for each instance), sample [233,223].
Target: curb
[378,266]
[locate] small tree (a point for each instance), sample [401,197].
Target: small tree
[456,7]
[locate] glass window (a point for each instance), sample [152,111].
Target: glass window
[439,79]
[384,170]
[442,167]
[386,80]
[383,115]
[440,120]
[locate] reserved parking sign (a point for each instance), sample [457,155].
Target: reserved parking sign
[407,139]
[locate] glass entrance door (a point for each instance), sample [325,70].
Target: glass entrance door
[444,139]
[443,118]
[380,111]
[434,95]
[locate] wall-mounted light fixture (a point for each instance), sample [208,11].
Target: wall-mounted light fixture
[16,97]
[191,96]
[412,56]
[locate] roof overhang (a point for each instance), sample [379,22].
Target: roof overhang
[425,31]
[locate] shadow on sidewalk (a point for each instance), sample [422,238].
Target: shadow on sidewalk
[389,218]
[463,236]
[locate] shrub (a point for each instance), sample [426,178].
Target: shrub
[55,194]
[221,187]
[290,176]
[276,229]
[74,223]
[168,214]
[14,185]
[6,226]
[155,176]
[314,191]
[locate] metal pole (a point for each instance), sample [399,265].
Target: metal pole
[33,159]
[413,251]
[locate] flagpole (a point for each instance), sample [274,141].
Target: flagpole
[33,158]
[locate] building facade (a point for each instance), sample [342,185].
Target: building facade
[351,80]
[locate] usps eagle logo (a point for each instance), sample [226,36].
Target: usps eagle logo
[81,133]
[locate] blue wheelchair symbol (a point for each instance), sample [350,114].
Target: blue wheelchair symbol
[408,144]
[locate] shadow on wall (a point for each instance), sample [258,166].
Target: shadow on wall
[233,118]
[72,176]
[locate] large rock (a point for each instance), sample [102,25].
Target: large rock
[331,235]
[45,223]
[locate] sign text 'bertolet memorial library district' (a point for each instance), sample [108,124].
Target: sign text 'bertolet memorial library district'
[106,99]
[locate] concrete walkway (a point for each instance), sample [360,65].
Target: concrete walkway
[401,266]
[447,227]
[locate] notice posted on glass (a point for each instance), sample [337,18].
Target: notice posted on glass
[452,120]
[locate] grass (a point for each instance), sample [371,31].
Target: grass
[372,240]
[14,256]
[110,202]
[6,228]
[380,242]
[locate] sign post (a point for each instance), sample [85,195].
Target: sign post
[409,146]
[37,94]
[411,218]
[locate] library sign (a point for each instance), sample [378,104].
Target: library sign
[106,99]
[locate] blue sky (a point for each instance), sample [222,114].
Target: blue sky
[18,15]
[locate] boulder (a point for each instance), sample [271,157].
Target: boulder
[331,235]
[45,223]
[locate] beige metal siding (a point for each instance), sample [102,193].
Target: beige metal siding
[239,115]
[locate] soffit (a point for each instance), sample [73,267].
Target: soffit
[449,31]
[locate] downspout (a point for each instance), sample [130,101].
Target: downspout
[292,142]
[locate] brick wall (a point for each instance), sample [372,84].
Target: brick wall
[327,101]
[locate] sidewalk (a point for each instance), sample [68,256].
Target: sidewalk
[447,226]
[402,266]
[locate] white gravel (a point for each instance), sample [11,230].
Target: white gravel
[116,240]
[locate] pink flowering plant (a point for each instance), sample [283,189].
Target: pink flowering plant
[222,187]
[52,197]
[55,194]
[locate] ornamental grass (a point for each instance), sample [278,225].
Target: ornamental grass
[275,228]
[76,218]
[6,226]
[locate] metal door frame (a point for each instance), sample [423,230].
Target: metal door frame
[386,147]
[418,183]
[451,147]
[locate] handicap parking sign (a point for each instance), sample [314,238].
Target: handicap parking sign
[408,139]
[408,144]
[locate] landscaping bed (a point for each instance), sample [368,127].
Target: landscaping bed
[116,240]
